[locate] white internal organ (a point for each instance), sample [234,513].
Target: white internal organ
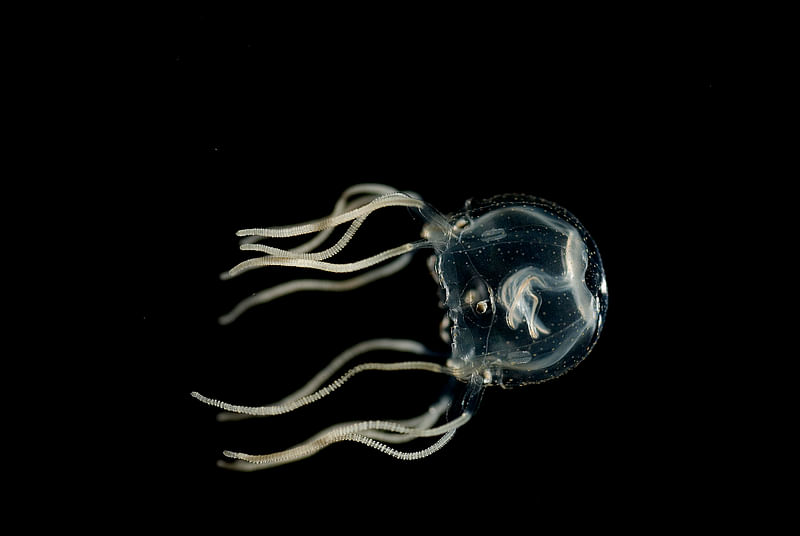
[523,305]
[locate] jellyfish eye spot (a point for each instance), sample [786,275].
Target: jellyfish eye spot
[460,224]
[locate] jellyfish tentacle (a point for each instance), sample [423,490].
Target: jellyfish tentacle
[279,409]
[394,199]
[357,211]
[343,204]
[403,455]
[303,259]
[312,445]
[319,255]
[372,345]
[359,432]
[356,266]
[300,285]
[374,434]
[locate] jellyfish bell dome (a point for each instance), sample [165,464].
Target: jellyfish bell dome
[524,288]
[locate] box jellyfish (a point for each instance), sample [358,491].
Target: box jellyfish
[520,279]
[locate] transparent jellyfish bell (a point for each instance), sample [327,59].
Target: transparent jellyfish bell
[524,289]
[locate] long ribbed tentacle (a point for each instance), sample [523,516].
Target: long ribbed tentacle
[279,409]
[319,379]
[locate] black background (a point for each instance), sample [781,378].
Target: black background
[240,123]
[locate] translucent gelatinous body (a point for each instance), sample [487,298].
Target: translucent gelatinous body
[520,278]
[524,289]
